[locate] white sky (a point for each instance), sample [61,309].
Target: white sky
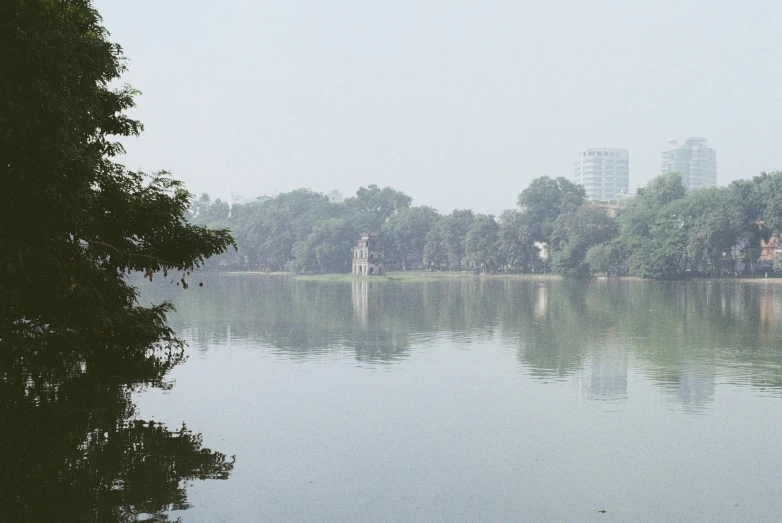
[458,104]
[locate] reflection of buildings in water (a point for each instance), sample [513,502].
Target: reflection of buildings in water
[540,306]
[604,374]
[360,295]
[696,386]
[768,311]
[732,302]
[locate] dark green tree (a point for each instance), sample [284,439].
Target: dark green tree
[266,232]
[714,223]
[575,232]
[481,242]
[435,255]
[516,240]
[547,198]
[371,206]
[652,230]
[608,257]
[454,234]
[72,221]
[405,234]
[204,211]
[330,244]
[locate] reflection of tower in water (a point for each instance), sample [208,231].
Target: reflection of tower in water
[695,388]
[360,295]
[768,312]
[541,301]
[604,375]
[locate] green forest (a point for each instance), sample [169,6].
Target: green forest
[662,232]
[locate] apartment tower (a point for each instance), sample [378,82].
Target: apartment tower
[604,173]
[696,163]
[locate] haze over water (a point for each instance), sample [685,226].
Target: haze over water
[480,399]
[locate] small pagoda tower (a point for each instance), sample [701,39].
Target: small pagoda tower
[368,256]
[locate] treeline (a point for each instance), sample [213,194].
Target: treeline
[662,233]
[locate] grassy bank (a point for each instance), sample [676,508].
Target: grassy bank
[414,276]
[401,276]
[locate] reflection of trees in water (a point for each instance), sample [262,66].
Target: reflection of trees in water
[300,318]
[677,332]
[667,328]
[72,448]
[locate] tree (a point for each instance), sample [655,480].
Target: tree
[714,223]
[516,240]
[454,233]
[651,230]
[371,206]
[72,221]
[434,253]
[405,233]
[547,198]
[481,241]
[330,243]
[575,232]
[607,257]
[266,232]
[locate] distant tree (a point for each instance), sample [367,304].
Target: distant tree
[517,239]
[575,232]
[303,259]
[72,221]
[454,234]
[204,211]
[199,207]
[652,231]
[385,201]
[330,244]
[767,192]
[434,251]
[547,198]
[608,257]
[266,232]
[405,233]
[713,223]
[371,206]
[482,241]
[752,198]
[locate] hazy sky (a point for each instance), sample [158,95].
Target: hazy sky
[458,104]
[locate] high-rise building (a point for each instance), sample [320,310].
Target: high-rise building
[604,173]
[696,163]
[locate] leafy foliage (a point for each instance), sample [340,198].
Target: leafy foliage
[575,232]
[545,199]
[481,241]
[405,234]
[517,240]
[72,222]
[663,233]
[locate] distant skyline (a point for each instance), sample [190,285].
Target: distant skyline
[458,104]
[603,172]
[694,160]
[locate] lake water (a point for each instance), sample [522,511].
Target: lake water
[479,399]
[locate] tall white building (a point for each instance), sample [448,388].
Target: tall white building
[604,173]
[696,163]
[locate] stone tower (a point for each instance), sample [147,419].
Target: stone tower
[368,256]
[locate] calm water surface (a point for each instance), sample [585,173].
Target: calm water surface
[480,399]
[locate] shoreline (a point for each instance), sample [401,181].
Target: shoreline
[411,276]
